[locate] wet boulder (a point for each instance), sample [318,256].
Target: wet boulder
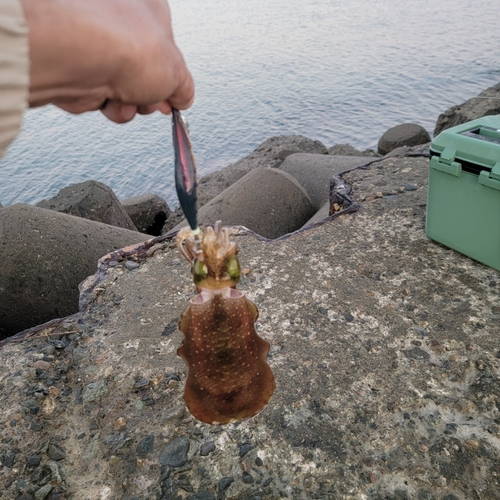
[406,134]
[91,200]
[486,103]
[348,150]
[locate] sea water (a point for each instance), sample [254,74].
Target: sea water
[337,71]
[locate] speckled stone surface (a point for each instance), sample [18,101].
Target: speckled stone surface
[385,347]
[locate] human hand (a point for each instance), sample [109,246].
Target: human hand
[115,55]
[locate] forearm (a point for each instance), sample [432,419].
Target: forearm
[14,73]
[69,53]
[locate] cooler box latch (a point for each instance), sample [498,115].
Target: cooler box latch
[446,162]
[491,179]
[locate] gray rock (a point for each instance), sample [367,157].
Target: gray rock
[401,152]
[142,382]
[267,201]
[174,414]
[272,152]
[45,255]
[148,212]
[8,460]
[79,354]
[57,472]
[225,482]
[43,492]
[486,103]
[49,350]
[348,150]
[175,453]
[313,172]
[244,449]
[55,452]
[207,448]
[34,460]
[131,265]
[247,478]
[90,200]
[94,391]
[145,446]
[417,353]
[406,134]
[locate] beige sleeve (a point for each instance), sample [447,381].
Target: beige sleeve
[14,70]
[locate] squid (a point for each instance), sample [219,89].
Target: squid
[228,379]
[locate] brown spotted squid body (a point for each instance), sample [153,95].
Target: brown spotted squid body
[228,376]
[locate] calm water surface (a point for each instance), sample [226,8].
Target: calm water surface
[340,72]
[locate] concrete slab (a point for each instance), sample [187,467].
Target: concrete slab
[45,255]
[148,212]
[314,172]
[321,214]
[385,349]
[266,200]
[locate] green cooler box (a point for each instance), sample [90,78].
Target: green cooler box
[463,206]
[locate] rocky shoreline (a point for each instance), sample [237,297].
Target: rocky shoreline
[384,346]
[280,187]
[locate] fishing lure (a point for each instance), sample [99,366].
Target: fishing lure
[186,180]
[228,376]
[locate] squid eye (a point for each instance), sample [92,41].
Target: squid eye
[233,268]
[200,271]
